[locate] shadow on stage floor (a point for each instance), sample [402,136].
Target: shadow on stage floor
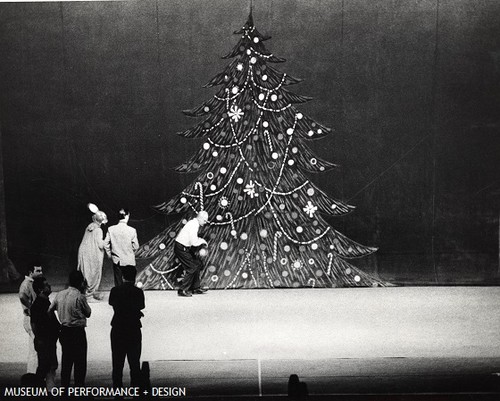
[420,343]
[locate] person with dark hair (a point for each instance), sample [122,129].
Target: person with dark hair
[46,329]
[187,246]
[91,254]
[27,296]
[73,310]
[126,338]
[121,243]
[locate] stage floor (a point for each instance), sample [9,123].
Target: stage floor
[339,341]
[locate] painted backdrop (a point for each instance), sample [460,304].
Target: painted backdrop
[91,97]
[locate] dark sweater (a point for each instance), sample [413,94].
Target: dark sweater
[127,301]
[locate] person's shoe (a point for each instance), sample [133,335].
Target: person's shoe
[183,293]
[199,291]
[98,297]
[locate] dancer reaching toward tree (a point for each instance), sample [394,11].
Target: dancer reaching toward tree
[91,252]
[186,248]
[121,242]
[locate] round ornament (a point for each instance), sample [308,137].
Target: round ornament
[162,246]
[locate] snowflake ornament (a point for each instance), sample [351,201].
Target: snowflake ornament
[235,113]
[250,190]
[310,209]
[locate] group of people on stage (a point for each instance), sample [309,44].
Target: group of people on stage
[72,307]
[119,243]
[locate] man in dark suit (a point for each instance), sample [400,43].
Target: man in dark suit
[46,328]
[126,338]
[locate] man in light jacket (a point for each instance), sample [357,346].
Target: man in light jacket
[121,243]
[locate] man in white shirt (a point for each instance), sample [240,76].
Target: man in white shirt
[185,245]
[27,296]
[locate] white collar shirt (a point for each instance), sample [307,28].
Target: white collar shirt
[188,235]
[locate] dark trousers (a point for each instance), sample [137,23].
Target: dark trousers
[192,266]
[47,356]
[74,353]
[117,273]
[126,342]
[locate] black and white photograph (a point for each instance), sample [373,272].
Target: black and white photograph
[250,199]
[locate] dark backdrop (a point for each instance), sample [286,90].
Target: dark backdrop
[91,97]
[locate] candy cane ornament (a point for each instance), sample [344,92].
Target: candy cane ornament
[198,184]
[277,235]
[229,215]
[330,260]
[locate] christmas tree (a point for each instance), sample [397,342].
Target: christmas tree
[266,228]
